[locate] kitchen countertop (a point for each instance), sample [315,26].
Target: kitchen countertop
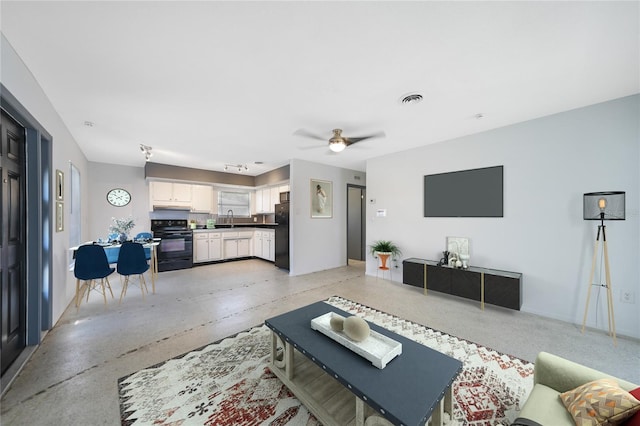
[236,226]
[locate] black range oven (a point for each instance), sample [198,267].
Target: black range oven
[176,246]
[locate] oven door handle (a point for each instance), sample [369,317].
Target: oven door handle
[167,236]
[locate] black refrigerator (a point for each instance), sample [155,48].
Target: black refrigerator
[282,236]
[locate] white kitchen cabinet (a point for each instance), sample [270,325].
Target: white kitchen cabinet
[230,248]
[207,247]
[257,244]
[202,198]
[258,201]
[275,198]
[182,192]
[237,244]
[268,245]
[243,247]
[161,191]
[237,248]
[170,194]
[264,244]
[263,201]
[266,200]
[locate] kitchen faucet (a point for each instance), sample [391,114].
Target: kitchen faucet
[230,217]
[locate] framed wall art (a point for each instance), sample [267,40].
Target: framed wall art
[321,198]
[59,185]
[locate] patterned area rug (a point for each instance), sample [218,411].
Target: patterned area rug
[229,382]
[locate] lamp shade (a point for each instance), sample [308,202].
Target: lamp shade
[607,205]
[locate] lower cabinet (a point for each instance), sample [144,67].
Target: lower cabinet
[237,244]
[207,247]
[269,245]
[257,244]
[264,244]
[500,288]
[212,246]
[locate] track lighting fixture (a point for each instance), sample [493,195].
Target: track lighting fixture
[147,151]
[240,167]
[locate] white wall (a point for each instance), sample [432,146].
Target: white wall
[548,164]
[17,78]
[318,244]
[104,177]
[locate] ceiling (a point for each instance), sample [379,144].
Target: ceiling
[210,83]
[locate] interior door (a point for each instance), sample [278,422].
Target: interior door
[12,240]
[356,196]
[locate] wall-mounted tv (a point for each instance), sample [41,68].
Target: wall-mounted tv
[464,193]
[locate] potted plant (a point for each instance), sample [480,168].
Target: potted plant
[384,249]
[122,227]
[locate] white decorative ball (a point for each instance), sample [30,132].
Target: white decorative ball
[336,323]
[356,328]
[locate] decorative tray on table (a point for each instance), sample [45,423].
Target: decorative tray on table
[377,348]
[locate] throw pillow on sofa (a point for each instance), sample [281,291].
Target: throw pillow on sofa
[600,402]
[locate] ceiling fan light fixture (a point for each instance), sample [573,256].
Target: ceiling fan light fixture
[337,146]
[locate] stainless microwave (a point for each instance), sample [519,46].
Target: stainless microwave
[284,197]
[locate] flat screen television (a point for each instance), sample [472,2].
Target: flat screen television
[464,193]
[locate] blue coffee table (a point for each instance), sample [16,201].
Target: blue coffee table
[339,387]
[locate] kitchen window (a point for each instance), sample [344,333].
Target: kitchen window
[238,202]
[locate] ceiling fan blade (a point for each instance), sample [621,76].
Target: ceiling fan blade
[308,134]
[312,146]
[351,141]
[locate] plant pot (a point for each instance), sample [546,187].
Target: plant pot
[383,260]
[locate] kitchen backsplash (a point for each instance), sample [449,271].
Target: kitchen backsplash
[201,218]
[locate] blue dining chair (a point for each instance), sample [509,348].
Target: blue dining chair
[145,236]
[132,261]
[91,264]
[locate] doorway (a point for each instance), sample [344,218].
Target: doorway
[25,234]
[356,211]
[12,240]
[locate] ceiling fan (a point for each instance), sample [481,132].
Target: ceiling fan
[337,142]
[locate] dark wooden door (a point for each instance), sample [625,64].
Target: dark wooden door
[12,240]
[355,224]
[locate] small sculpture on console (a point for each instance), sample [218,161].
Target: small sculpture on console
[453,259]
[445,258]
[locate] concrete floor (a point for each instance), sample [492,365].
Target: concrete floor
[72,377]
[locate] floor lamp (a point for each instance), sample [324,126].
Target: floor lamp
[603,206]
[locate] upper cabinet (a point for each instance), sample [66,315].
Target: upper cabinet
[266,198]
[197,198]
[275,198]
[170,194]
[202,199]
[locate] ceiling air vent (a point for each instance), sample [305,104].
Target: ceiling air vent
[412,98]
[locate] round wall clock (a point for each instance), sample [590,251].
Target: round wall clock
[118,197]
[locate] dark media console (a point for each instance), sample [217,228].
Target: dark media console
[500,288]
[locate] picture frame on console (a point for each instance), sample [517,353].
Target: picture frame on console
[321,199]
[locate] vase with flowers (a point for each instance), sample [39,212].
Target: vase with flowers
[122,227]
